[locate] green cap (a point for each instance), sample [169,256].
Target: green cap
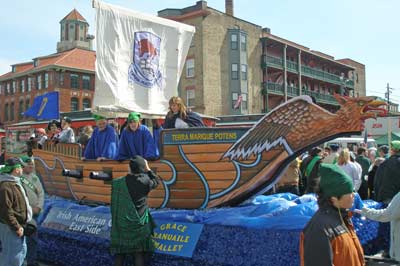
[26,159]
[98,117]
[334,181]
[134,116]
[395,145]
[10,165]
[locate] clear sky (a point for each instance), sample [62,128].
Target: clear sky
[366,31]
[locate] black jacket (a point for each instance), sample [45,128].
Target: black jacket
[192,119]
[139,186]
[387,179]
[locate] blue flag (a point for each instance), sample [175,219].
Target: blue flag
[44,107]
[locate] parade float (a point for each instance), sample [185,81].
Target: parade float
[201,168]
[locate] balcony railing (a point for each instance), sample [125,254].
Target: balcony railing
[314,73]
[278,89]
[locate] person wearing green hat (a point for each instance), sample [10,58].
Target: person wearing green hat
[15,212]
[103,144]
[329,237]
[35,193]
[136,139]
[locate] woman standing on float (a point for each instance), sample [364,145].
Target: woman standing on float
[179,117]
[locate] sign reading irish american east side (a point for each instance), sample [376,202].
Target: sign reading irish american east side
[79,221]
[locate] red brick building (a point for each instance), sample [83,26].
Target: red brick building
[70,71]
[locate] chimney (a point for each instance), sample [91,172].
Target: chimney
[229,7]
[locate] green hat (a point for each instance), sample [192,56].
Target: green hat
[98,117]
[10,165]
[134,116]
[395,145]
[334,181]
[26,159]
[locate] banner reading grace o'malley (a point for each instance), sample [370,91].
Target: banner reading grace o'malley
[176,238]
[139,59]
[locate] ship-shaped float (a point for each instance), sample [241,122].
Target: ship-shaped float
[211,167]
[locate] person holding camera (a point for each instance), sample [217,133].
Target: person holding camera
[132,224]
[15,212]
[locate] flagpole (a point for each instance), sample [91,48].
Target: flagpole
[389,130]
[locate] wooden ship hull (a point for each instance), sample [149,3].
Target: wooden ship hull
[193,173]
[206,167]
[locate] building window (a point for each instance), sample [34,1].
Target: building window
[81,27]
[61,79]
[235,100]
[86,82]
[244,102]
[234,41]
[22,85]
[8,89]
[71,26]
[12,111]
[192,43]
[234,71]
[239,101]
[21,109]
[74,81]
[26,104]
[29,84]
[74,104]
[86,103]
[190,96]
[14,85]
[244,72]
[190,68]
[243,42]
[1,89]
[35,62]
[6,112]
[39,82]
[46,80]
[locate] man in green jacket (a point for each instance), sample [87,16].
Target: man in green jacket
[15,212]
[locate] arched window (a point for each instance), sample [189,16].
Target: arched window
[74,104]
[12,111]
[21,109]
[86,103]
[6,112]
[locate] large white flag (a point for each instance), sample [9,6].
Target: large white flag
[139,59]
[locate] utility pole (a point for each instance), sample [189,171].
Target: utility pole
[387,95]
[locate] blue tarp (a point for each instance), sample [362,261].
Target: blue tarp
[262,231]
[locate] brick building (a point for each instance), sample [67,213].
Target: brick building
[70,71]
[237,67]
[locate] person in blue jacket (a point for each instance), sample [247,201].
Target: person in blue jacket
[104,141]
[136,139]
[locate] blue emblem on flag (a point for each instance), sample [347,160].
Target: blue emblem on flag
[144,69]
